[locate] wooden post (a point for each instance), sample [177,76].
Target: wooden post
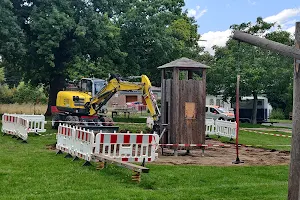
[267,44]
[294,176]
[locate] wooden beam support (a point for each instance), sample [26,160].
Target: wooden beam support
[294,175]
[267,44]
[127,165]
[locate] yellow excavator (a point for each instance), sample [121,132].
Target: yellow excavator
[84,107]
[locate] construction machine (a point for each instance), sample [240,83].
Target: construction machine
[85,106]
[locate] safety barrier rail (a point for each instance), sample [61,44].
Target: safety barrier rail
[20,125]
[220,128]
[36,123]
[126,147]
[15,125]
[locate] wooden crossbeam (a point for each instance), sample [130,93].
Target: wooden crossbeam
[127,165]
[282,49]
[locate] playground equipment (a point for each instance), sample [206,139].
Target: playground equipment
[183,85]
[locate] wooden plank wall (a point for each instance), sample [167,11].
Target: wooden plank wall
[190,131]
[175,95]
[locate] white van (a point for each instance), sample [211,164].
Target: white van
[216,112]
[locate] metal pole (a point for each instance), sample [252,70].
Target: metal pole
[237,119]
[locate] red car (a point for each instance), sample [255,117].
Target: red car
[137,105]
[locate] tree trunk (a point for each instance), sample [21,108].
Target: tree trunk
[254,108]
[56,85]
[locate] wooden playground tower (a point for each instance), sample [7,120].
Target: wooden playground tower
[183,88]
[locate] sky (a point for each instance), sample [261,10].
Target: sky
[214,17]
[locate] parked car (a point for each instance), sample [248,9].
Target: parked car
[137,105]
[217,112]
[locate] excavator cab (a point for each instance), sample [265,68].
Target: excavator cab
[92,86]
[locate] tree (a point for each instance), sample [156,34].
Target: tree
[257,68]
[154,33]
[11,35]
[59,33]
[70,39]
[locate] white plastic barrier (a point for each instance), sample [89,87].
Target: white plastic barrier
[36,122]
[75,141]
[13,124]
[84,141]
[9,124]
[210,127]
[65,139]
[226,128]
[22,128]
[127,147]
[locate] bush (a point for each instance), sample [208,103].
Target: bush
[277,114]
[6,94]
[25,93]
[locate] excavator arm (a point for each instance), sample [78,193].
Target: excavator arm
[115,84]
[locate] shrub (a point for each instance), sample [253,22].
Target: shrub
[277,114]
[26,93]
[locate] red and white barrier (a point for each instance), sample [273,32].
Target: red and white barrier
[9,122]
[83,144]
[36,123]
[65,139]
[127,147]
[13,124]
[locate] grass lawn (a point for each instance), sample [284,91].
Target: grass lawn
[31,171]
[281,121]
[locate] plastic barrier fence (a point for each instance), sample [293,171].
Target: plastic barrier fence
[127,147]
[226,128]
[210,127]
[83,144]
[75,141]
[15,125]
[124,147]
[22,128]
[65,139]
[36,123]
[9,124]
[220,128]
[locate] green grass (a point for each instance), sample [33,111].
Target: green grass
[31,171]
[248,125]
[255,139]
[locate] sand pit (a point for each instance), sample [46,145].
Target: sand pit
[218,156]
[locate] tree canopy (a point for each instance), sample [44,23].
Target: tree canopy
[55,40]
[261,71]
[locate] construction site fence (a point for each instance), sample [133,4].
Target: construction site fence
[131,147]
[20,125]
[220,128]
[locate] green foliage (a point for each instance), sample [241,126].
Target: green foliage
[277,114]
[261,71]
[11,35]
[24,93]
[6,94]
